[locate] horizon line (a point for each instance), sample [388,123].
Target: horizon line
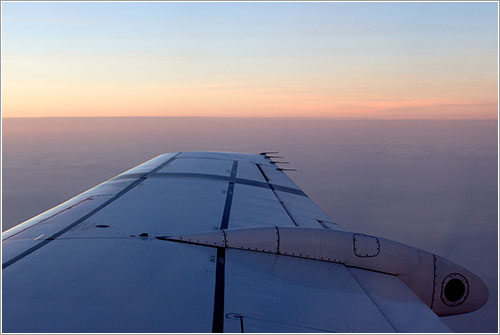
[252,117]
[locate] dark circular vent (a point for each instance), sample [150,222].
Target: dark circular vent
[454,289]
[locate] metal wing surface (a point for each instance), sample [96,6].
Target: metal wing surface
[103,261]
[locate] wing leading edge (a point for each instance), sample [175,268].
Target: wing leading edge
[98,262]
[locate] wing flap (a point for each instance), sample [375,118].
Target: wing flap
[275,291]
[400,306]
[110,285]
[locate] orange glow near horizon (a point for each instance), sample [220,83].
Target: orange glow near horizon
[60,100]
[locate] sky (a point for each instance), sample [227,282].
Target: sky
[321,60]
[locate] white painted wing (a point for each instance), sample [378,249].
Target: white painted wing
[95,264]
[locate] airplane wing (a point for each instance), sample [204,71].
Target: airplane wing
[217,242]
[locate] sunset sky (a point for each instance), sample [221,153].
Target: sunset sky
[339,60]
